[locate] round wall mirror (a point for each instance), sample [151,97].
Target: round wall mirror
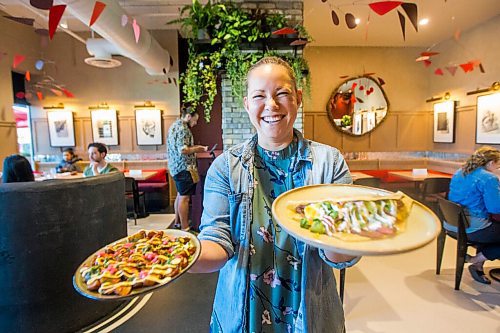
[357,106]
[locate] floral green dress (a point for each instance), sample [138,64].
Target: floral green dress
[275,263]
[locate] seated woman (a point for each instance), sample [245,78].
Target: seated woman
[68,164]
[17,168]
[477,189]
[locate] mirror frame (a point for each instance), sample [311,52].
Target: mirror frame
[330,115]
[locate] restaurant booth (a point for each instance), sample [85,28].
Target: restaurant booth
[47,228]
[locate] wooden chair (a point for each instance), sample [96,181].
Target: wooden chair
[132,192]
[454,215]
[432,189]
[372,182]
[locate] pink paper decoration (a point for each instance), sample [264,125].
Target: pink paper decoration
[452,70]
[137,30]
[124,20]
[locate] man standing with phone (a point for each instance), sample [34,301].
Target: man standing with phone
[181,156]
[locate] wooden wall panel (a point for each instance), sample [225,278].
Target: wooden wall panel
[325,133]
[8,139]
[384,137]
[412,132]
[356,143]
[309,126]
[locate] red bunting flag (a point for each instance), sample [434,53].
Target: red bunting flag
[427,63]
[39,95]
[27,76]
[55,15]
[284,31]
[67,93]
[98,8]
[18,59]
[428,54]
[452,70]
[439,71]
[467,67]
[20,94]
[383,7]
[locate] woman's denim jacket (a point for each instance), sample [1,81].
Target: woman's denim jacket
[227,214]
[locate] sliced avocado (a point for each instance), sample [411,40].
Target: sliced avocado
[318,227]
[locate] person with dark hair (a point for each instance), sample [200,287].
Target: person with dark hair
[269,281]
[17,168]
[98,165]
[68,164]
[477,189]
[181,159]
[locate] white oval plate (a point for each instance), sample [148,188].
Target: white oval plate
[422,225]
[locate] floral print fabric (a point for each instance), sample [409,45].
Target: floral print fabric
[275,263]
[179,136]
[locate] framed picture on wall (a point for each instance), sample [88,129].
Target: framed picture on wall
[444,122]
[148,127]
[61,128]
[105,126]
[488,119]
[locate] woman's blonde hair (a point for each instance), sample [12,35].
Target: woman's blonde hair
[273,61]
[480,158]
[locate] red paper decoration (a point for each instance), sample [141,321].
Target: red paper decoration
[383,7]
[27,76]
[18,59]
[467,67]
[67,93]
[55,15]
[427,63]
[39,95]
[98,8]
[438,71]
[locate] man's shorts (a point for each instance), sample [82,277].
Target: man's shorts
[184,183]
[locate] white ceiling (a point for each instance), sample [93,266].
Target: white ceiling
[446,17]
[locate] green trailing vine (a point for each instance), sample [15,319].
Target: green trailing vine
[229,27]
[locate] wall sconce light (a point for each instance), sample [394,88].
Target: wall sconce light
[147,104]
[495,86]
[446,97]
[58,106]
[100,106]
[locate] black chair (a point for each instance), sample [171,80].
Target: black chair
[432,189]
[342,284]
[372,182]
[132,192]
[453,215]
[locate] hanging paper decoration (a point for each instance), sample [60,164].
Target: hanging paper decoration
[67,93]
[350,20]
[28,95]
[137,30]
[42,4]
[383,7]
[467,67]
[169,80]
[55,15]
[335,18]
[175,81]
[412,13]
[98,8]
[20,95]
[284,31]
[27,76]
[481,68]
[124,20]
[438,71]
[56,92]
[428,54]
[427,63]
[171,61]
[39,64]
[451,69]
[39,95]
[422,58]
[402,22]
[42,32]
[22,20]
[18,59]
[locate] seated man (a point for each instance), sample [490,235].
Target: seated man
[98,165]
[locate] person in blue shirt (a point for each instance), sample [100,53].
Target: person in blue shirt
[477,188]
[269,281]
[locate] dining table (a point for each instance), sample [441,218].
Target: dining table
[144,175]
[355,175]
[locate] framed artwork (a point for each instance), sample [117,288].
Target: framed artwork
[488,119]
[444,122]
[61,128]
[105,126]
[148,127]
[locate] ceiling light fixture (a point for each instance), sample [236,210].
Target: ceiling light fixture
[357,21]
[423,21]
